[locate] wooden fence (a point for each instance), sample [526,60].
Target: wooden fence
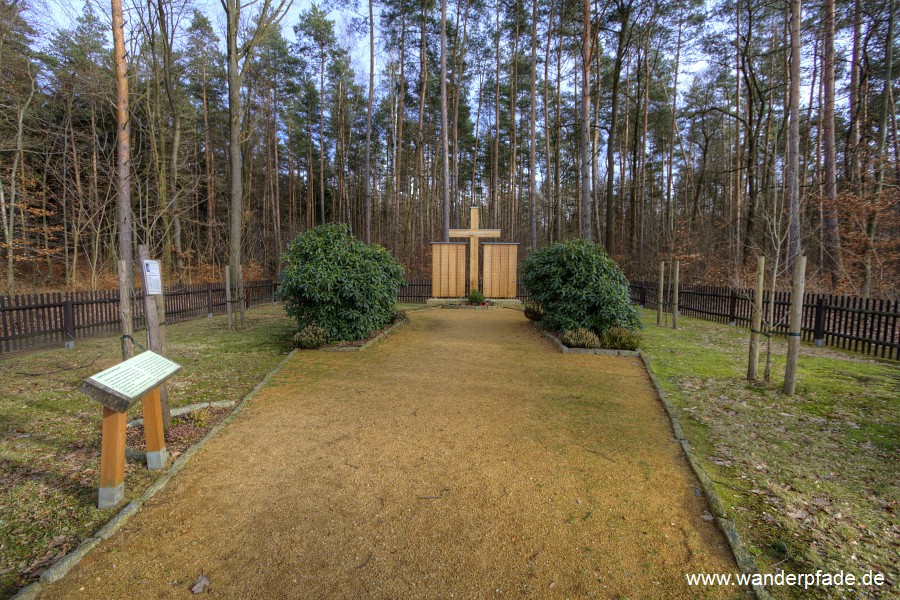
[60,318]
[865,325]
[32,321]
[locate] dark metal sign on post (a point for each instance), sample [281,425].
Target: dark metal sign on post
[117,389]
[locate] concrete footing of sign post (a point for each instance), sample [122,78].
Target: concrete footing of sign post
[110,496]
[157,460]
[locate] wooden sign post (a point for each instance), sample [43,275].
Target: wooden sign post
[474,234]
[117,388]
[155,311]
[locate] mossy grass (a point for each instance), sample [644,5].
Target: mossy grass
[50,433]
[810,480]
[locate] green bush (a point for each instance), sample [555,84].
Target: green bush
[580,338]
[579,286]
[620,338]
[310,337]
[476,297]
[399,316]
[346,287]
[534,311]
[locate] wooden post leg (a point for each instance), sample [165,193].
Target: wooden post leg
[154,434]
[473,264]
[112,459]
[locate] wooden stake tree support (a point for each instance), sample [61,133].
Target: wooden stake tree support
[660,292]
[155,312]
[117,389]
[756,320]
[790,369]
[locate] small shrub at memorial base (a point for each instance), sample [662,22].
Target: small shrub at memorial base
[620,338]
[310,337]
[580,338]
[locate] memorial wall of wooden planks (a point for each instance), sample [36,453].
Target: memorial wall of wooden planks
[500,270]
[448,269]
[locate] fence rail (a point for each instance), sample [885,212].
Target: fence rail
[868,325]
[865,325]
[31,321]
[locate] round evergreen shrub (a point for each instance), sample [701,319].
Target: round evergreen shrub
[580,338]
[578,285]
[337,282]
[310,337]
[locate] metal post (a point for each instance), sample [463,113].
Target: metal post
[732,312]
[819,327]
[69,323]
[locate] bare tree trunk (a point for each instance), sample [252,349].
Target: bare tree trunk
[793,162]
[532,191]
[420,140]
[586,50]
[513,141]
[368,224]
[548,182]
[236,204]
[670,209]
[123,181]
[210,176]
[445,151]
[609,237]
[832,238]
[322,139]
[495,176]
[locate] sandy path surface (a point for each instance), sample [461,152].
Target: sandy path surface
[461,457]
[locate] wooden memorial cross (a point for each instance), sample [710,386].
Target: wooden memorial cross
[117,388]
[474,234]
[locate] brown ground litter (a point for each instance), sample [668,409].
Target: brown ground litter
[461,457]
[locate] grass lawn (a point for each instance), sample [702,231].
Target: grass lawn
[50,433]
[811,480]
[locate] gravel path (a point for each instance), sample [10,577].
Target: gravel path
[463,456]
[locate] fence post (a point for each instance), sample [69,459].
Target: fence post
[274,292]
[819,325]
[209,305]
[643,294]
[69,322]
[732,311]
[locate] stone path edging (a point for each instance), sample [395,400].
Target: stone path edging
[70,560]
[378,337]
[738,549]
[741,554]
[183,410]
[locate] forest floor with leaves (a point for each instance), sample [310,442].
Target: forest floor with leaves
[461,456]
[811,480]
[50,433]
